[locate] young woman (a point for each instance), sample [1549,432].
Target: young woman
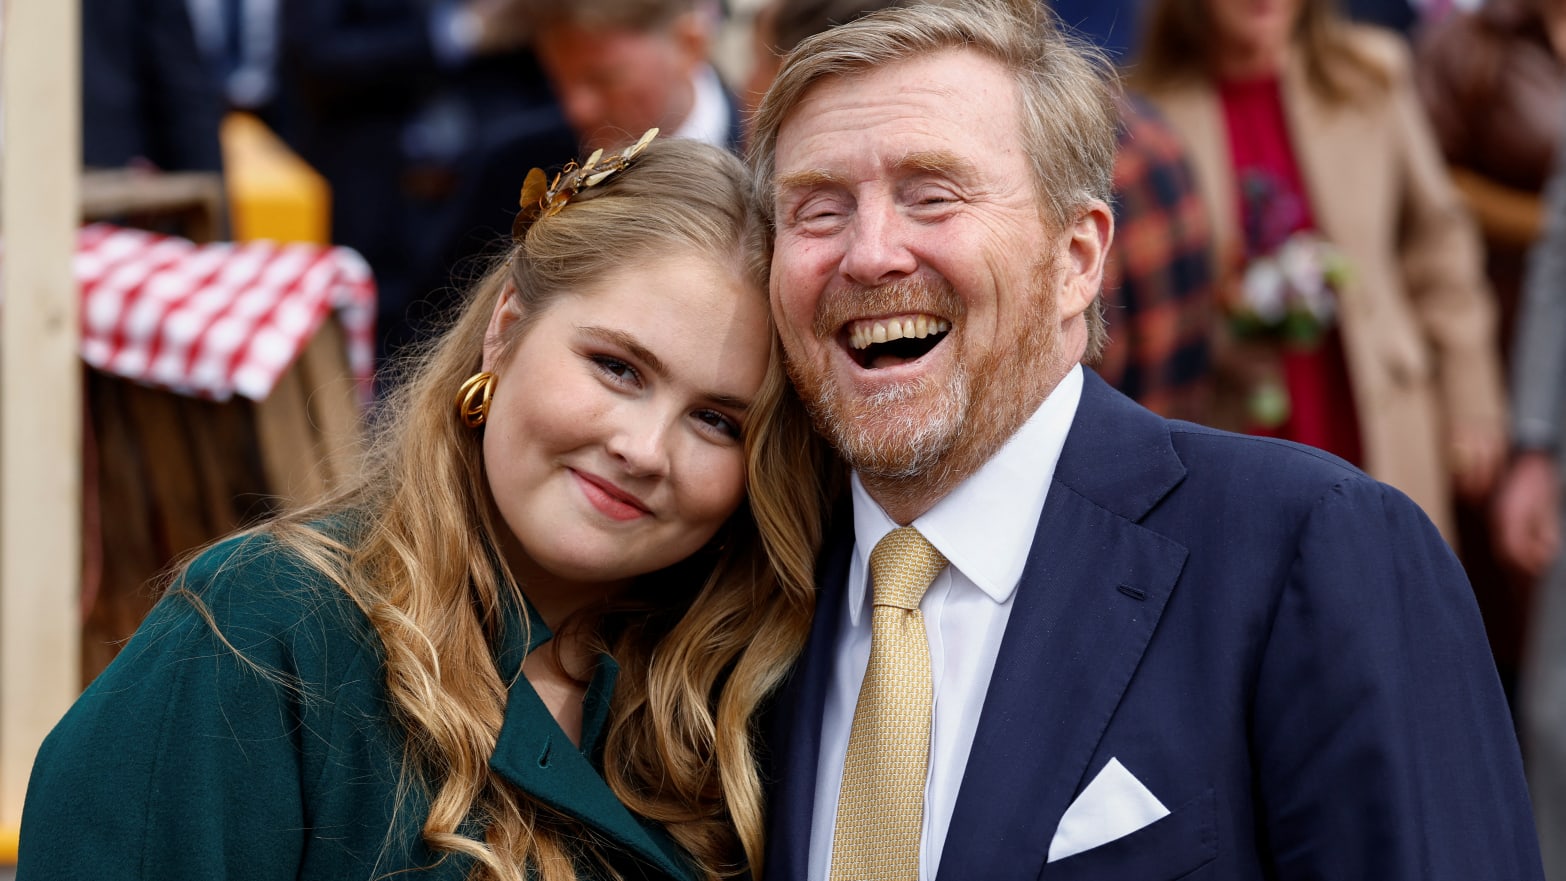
[531,642]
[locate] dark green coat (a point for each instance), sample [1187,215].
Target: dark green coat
[183,761]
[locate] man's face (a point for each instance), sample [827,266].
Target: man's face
[615,84]
[925,308]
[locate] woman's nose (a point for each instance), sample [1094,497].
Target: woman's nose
[641,445]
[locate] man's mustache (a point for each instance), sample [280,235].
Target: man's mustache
[840,305]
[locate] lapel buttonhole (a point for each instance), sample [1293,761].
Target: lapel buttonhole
[1132,592]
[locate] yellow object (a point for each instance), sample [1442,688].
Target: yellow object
[272,193]
[880,808]
[8,847]
[473,398]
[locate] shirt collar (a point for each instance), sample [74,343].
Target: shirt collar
[984,526]
[709,117]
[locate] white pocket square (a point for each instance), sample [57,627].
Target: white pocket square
[1112,806]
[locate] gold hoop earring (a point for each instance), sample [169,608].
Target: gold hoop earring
[473,399]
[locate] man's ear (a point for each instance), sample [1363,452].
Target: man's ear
[1085,246]
[502,322]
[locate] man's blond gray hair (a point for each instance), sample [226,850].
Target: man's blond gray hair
[1066,88]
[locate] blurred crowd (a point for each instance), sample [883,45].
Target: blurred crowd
[1335,224]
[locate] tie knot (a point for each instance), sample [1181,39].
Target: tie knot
[902,565]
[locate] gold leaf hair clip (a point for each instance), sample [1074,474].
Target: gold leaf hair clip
[542,197]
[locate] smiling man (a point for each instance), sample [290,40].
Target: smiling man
[1060,637]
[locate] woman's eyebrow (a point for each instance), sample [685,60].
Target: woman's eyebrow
[643,354]
[630,344]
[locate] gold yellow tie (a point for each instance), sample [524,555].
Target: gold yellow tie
[880,809]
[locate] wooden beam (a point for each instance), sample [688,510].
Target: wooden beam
[40,384]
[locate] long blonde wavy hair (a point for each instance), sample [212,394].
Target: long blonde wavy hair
[697,661]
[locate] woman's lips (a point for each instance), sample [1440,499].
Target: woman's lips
[608,499]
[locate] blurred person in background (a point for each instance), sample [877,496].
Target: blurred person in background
[1159,275]
[780,25]
[418,113]
[1528,517]
[531,640]
[622,66]
[240,40]
[147,99]
[1493,81]
[1355,312]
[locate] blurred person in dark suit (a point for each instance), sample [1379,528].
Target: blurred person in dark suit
[412,110]
[621,67]
[146,96]
[241,42]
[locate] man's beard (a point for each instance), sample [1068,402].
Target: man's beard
[918,428]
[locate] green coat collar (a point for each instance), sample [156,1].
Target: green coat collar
[533,753]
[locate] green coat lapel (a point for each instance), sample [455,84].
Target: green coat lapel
[533,753]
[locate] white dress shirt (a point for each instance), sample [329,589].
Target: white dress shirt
[985,528]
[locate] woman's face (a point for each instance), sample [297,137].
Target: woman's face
[614,441]
[1254,26]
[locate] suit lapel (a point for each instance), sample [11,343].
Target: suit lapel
[795,737]
[1089,600]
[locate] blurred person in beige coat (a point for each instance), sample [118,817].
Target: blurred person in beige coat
[1415,317]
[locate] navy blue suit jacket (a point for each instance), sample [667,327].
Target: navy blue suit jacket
[1281,649]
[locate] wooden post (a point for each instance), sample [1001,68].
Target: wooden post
[40,385]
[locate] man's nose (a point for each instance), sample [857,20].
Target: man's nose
[877,251]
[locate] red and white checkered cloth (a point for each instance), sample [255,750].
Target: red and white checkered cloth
[215,320]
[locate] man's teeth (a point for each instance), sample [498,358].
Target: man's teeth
[884,330]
